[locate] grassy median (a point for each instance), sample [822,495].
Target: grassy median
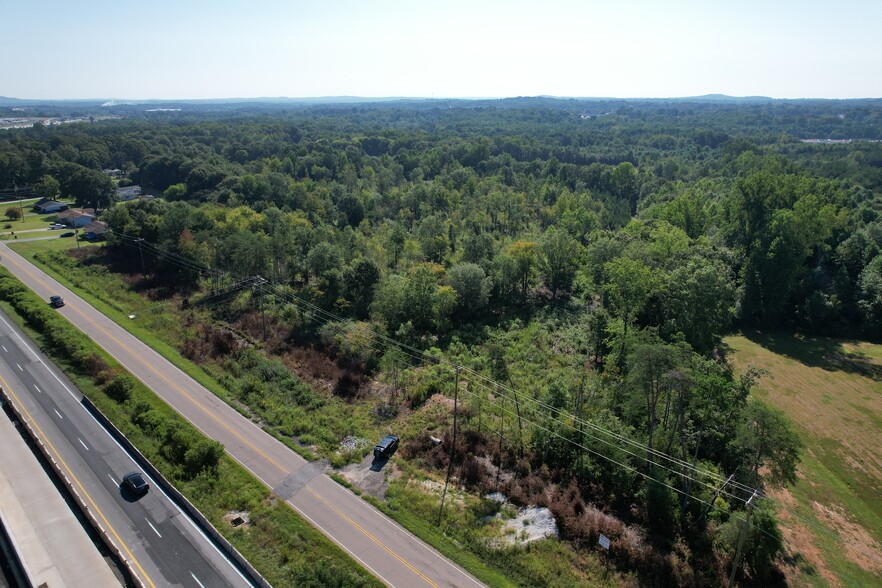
[282,546]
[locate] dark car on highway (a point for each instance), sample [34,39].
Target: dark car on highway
[135,483]
[386,447]
[56,301]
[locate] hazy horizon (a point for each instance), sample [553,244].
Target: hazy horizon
[98,50]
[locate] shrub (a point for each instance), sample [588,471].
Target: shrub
[120,388]
[204,455]
[348,384]
[151,421]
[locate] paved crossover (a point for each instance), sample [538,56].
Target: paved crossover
[379,544]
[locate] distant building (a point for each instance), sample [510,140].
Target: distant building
[114,173]
[95,231]
[76,219]
[128,193]
[45,205]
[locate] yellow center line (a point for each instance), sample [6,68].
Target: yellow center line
[58,457]
[371,537]
[228,428]
[162,376]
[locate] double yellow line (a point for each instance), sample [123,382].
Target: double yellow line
[233,432]
[82,491]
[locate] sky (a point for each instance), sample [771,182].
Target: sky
[161,49]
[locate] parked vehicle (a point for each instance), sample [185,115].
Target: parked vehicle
[56,301]
[68,234]
[386,447]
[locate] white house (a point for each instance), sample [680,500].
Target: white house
[45,205]
[128,192]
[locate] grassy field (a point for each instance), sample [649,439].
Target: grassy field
[32,220]
[832,390]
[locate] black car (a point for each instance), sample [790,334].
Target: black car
[386,447]
[68,234]
[56,301]
[135,483]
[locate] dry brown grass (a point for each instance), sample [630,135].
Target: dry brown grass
[832,391]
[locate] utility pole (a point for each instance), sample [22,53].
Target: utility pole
[141,251]
[499,447]
[741,538]
[579,418]
[452,444]
[262,305]
[520,423]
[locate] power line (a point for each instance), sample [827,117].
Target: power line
[419,356]
[325,316]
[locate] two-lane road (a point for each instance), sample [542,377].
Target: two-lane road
[164,546]
[382,546]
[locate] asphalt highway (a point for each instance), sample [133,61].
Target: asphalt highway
[163,544]
[379,544]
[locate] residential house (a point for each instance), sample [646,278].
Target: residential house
[75,218]
[45,205]
[128,193]
[95,231]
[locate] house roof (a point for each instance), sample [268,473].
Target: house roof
[47,202]
[72,213]
[96,227]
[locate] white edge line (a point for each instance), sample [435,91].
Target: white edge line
[414,539]
[249,422]
[172,502]
[334,539]
[126,453]
[29,348]
[204,433]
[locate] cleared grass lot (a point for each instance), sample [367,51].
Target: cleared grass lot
[832,390]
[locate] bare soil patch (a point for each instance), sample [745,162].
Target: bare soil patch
[860,547]
[799,540]
[375,481]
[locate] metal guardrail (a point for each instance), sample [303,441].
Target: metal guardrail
[219,540]
[247,570]
[84,506]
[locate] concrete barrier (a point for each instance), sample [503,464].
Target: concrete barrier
[78,499]
[211,532]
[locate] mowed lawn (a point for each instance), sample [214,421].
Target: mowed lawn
[832,391]
[32,220]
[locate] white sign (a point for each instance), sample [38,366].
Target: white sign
[604,541]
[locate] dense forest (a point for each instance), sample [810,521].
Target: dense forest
[569,267]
